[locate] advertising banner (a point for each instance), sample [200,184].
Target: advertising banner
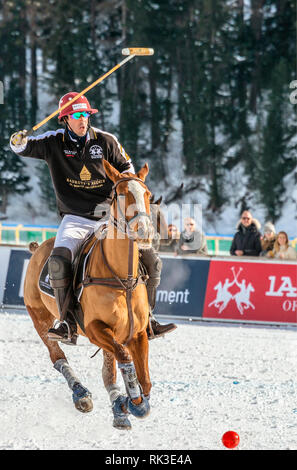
[17,267]
[251,291]
[220,289]
[183,286]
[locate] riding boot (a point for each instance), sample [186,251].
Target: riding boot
[60,273]
[153,264]
[154,328]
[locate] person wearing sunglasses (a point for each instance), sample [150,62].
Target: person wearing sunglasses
[74,155]
[247,239]
[170,244]
[192,241]
[268,239]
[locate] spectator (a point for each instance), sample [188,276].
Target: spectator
[171,243]
[268,240]
[282,248]
[191,241]
[246,241]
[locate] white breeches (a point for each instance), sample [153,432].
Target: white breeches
[74,230]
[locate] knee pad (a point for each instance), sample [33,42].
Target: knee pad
[153,264]
[60,267]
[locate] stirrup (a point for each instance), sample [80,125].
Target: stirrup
[66,337]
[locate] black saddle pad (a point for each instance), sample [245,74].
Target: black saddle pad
[44,284]
[74,306]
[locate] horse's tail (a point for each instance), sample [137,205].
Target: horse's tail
[33,246]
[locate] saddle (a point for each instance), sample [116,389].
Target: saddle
[81,279]
[78,267]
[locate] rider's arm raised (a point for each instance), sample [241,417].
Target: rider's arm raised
[34,147]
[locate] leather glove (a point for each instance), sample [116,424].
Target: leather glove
[19,139]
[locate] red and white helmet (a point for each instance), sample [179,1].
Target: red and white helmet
[79,105]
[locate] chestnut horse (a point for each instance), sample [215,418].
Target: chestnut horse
[115,319]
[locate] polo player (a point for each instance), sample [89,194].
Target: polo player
[74,156]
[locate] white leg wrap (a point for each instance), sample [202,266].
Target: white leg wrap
[62,366]
[130,380]
[113,392]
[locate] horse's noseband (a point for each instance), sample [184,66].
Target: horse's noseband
[122,223]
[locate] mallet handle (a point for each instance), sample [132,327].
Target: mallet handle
[100,79]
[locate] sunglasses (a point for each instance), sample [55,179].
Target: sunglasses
[79,115]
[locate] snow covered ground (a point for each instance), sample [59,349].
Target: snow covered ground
[207,378]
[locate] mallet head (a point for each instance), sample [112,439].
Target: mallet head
[138,51]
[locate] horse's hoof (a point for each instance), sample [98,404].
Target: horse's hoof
[82,398]
[140,411]
[119,409]
[85,405]
[122,423]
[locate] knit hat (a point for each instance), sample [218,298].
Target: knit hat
[269,227]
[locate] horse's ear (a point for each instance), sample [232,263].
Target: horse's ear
[158,202]
[112,173]
[142,174]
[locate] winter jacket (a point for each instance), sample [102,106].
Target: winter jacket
[76,168]
[168,246]
[267,245]
[247,239]
[195,241]
[288,253]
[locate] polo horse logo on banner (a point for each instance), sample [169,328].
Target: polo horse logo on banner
[241,297]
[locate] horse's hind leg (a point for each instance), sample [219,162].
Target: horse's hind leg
[43,320]
[109,375]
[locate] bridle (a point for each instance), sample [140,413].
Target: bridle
[122,223]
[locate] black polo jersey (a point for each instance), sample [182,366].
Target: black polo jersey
[77,173]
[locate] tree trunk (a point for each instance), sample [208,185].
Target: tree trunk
[256,27]
[3,201]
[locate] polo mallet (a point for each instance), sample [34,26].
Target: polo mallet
[129,52]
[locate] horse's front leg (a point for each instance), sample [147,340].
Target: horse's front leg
[101,334]
[118,401]
[136,376]
[139,349]
[136,403]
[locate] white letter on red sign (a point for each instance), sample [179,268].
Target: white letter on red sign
[285,287]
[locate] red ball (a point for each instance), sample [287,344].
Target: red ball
[230,439]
